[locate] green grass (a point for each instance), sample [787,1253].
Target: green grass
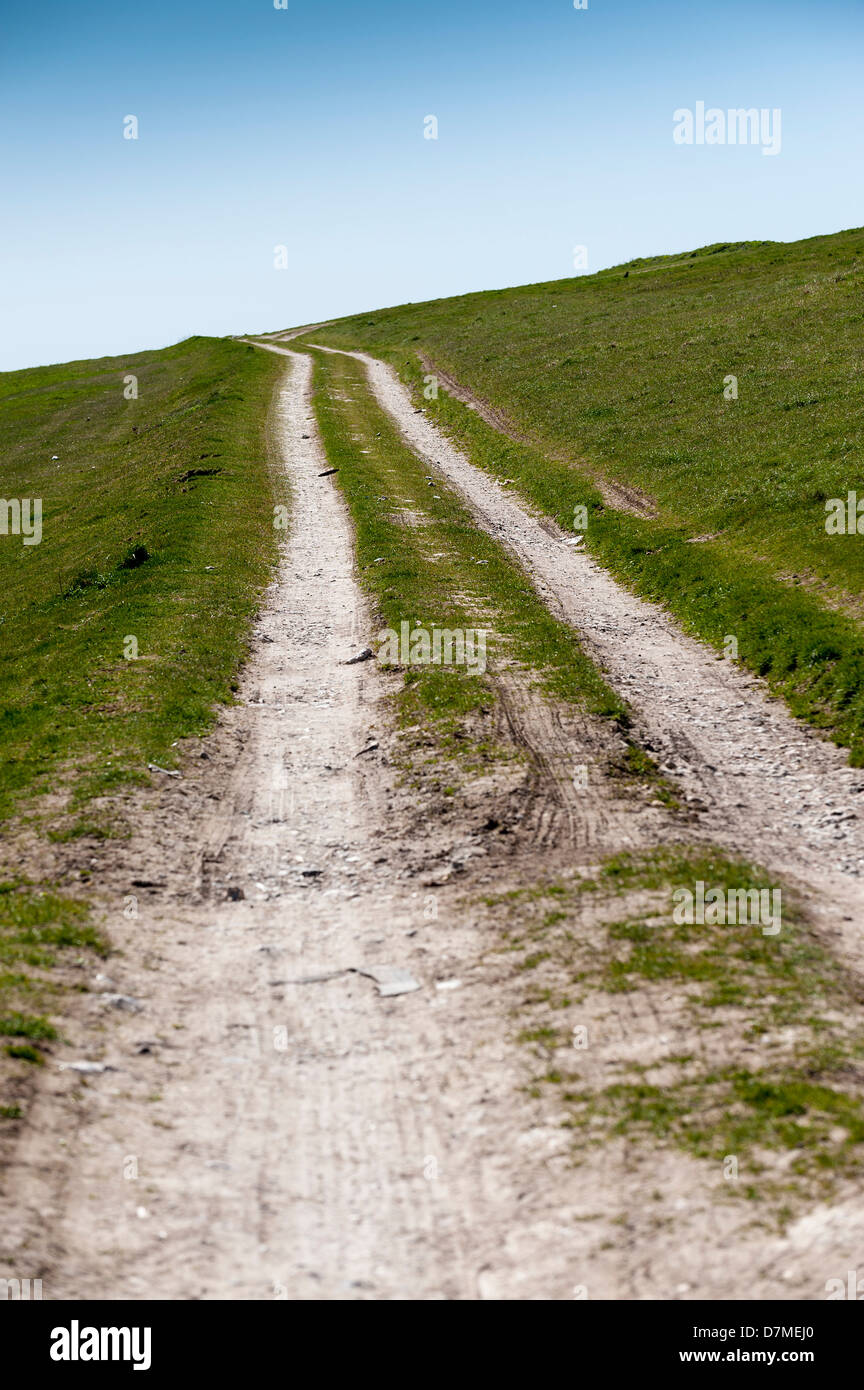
[37,924]
[22,1052]
[41,931]
[779,1068]
[423,560]
[23,1026]
[729,1112]
[157,526]
[621,375]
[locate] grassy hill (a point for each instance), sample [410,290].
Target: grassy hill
[624,376]
[125,624]
[157,526]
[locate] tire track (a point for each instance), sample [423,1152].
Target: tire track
[276,1139]
[761,783]
[370,1148]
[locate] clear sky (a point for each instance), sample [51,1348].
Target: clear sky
[303,127]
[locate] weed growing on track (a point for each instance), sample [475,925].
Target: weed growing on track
[761,1053]
[621,374]
[40,932]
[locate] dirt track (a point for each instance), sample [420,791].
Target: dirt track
[316,1140]
[297,1140]
[763,784]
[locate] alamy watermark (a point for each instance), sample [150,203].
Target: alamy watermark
[20,1290]
[21,517]
[440,647]
[851,1288]
[77,1343]
[728,907]
[845,515]
[736,126]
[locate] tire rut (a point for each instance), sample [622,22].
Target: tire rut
[316,1141]
[759,782]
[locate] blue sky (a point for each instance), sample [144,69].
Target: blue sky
[303,127]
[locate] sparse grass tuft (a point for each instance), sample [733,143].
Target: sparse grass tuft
[41,931]
[778,1024]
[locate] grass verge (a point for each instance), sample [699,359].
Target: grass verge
[124,627]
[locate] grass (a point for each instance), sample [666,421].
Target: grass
[773,1069]
[423,560]
[125,626]
[23,1026]
[41,933]
[37,924]
[735,1113]
[620,375]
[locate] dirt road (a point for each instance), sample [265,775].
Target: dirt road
[763,784]
[269,1124]
[254,1137]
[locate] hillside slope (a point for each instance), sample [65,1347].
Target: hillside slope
[624,378]
[136,535]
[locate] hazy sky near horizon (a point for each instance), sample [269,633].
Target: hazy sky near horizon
[303,127]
